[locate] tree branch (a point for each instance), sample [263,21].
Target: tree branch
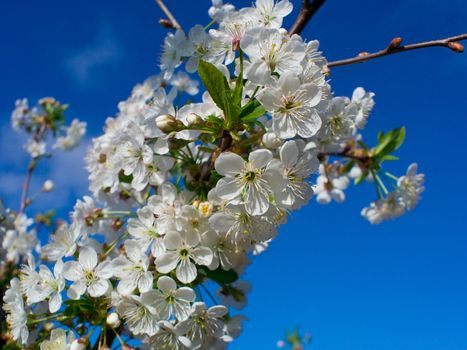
[171,22]
[395,47]
[308,10]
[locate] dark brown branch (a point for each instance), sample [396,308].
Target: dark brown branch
[395,47]
[308,10]
[171,22]
[224,144]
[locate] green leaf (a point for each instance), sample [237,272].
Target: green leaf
[380,136]
[237,93]
[252,111]
[220,275]
[362,177]
[390,157]
[125,178]
[390,142]
[348,166]
[215,82]
[218,87]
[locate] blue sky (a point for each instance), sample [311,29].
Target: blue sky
[401,285]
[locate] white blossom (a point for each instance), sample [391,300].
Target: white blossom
[251,183]
[132,269]
[170,337]
[74,134]
[292,106]
[170,301]
[59,340]
[87,275]
[182,249]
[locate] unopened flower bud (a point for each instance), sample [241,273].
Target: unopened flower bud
[205,209]
[271,140]
[166,122]
[395,43]
[456,46]
[78,344]
[166,23]
[194,119]
[48,326]
[48,186]
[113,320]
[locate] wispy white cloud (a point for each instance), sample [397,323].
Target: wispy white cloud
[83,62]
[11,144]
[65,169]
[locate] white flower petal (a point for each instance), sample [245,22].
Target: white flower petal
[166,284]
[229,164]
[186,271]
[167,262]
[88,258]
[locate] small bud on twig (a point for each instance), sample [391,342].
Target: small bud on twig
[456,46]
[166,23]
[395,43]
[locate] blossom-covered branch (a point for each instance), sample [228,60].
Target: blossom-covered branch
[183,197]
[396,47]
[307,11]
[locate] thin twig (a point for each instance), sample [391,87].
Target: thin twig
[25,201]
[395,47]
[26,184]
[173,23]
[307,11]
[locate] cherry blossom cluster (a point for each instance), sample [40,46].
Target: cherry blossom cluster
[44,119]
[294,340]
[183,196]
